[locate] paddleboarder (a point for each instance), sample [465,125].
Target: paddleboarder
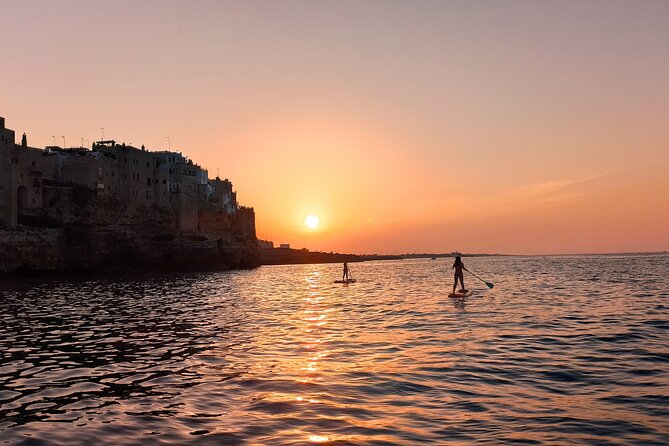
[344,275]
[459,267]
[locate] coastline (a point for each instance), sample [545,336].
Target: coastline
[289,256]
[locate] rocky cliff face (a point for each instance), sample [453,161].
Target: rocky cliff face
[78,231]
[117,249]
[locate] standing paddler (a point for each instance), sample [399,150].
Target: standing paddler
[459,275]
[345,274]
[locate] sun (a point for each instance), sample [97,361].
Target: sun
[312,221]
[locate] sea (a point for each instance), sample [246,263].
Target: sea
[564,350]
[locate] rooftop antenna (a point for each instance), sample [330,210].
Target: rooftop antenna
[54,140]
[63,141]
[169,144]
[102,137]
[217,175]
[82,143]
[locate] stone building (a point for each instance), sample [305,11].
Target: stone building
[113,184]
[222,195]
[22,170]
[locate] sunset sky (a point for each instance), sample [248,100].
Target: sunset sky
[520,127]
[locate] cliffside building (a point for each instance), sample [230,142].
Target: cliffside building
[113,184]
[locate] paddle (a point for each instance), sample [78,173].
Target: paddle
[490,285]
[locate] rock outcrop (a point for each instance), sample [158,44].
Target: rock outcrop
[116,249]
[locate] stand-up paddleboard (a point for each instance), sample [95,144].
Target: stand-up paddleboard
[345,281]
[465,293]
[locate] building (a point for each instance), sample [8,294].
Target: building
[112,184]
[265,244]
[22,170]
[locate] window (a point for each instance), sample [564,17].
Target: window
[148,181]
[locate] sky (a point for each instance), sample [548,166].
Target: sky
[517,127]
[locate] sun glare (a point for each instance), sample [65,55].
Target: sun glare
[312,221]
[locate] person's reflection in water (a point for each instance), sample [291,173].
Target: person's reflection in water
[459,302]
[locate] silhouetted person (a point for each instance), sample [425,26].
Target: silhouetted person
[459,275]
[344,275]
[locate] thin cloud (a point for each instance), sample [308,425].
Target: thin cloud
[548,194]
[529,197]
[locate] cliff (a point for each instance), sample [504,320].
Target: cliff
[117,249]
[79,231]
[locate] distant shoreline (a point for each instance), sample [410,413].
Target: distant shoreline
[289,256]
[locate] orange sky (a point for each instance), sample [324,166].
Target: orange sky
[511,127]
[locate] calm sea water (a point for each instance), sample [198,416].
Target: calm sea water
[564,350]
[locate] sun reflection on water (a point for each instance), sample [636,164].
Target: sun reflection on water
[314,321]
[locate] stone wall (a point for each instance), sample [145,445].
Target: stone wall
[245,222]
[68,204]
[242,222]
[80,231]
[5,186]
[7,213]
[215,220]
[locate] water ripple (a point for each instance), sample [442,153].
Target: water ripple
[282,356]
